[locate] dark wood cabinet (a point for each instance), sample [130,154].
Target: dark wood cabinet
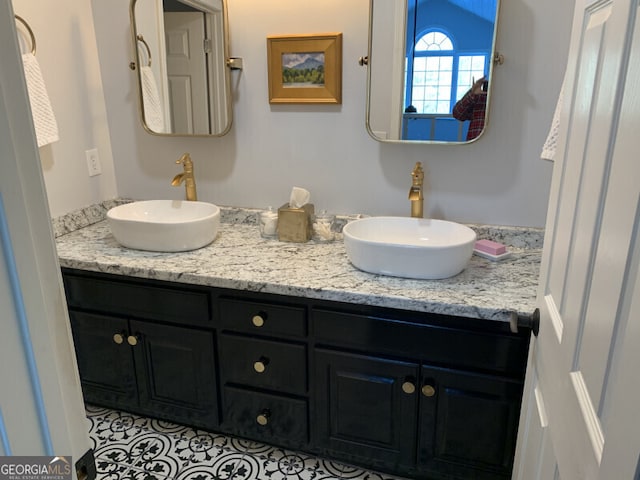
[367,408]
[144,366]
[468,423]
[421,395]
[106,363]
[264,375]
[378,411]
[175,367]
[424,399]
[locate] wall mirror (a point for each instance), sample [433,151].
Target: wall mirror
[181,51]
[424,56]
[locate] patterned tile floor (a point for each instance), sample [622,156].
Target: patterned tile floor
[128,447]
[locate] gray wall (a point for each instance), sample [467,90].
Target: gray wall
[498,180]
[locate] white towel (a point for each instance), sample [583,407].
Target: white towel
[153,114]
[551,144]
[43,118]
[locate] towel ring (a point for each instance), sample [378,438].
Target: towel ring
[146,45]
[33,37]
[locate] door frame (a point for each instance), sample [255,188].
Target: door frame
[613,429]
[35,286]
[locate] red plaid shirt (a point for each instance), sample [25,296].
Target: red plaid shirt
[472,107]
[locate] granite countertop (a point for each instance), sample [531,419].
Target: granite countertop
[241,259]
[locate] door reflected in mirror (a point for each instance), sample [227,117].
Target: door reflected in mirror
[181,56]
[429,73]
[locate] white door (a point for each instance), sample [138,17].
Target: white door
[41,407]
[218,71]
[187,72]
[580,409]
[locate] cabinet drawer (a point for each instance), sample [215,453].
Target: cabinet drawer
[490,351]
[135,299]
[263,363]
[271,418]
[263,318]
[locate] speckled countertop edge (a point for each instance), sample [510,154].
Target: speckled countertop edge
[240,259]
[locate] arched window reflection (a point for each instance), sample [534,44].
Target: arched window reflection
[440,74]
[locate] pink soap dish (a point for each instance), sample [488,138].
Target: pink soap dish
[494,248]
[491,257]
[491,250]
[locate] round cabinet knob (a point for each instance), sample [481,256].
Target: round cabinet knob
[408,387]
[258,320]
[263,418]
[132,340]
[428,390]
[118,338]
[261,365]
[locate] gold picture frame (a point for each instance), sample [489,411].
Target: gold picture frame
[305,68]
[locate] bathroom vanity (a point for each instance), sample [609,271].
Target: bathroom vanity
[290,345]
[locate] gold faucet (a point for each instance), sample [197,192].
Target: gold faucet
[187,177]
[415,192]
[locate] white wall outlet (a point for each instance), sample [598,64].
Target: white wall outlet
[93,162]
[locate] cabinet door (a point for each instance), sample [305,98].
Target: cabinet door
[105,360]
[468,424]
[366,408]
[176,372]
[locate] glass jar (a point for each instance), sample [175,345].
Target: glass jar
[323,227]
[269,223]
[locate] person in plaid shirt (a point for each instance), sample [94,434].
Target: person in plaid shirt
[473,107]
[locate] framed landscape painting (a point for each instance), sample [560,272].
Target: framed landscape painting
[305,68]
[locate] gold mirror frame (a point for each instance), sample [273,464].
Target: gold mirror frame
[140,43]
[369,61]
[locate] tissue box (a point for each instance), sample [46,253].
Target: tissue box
[294,224]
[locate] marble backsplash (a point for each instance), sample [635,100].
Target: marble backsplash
[83,217]
[517,237]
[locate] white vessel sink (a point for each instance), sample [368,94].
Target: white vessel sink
[165,225]
[409,247]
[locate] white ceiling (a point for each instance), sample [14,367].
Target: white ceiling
[483,8]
